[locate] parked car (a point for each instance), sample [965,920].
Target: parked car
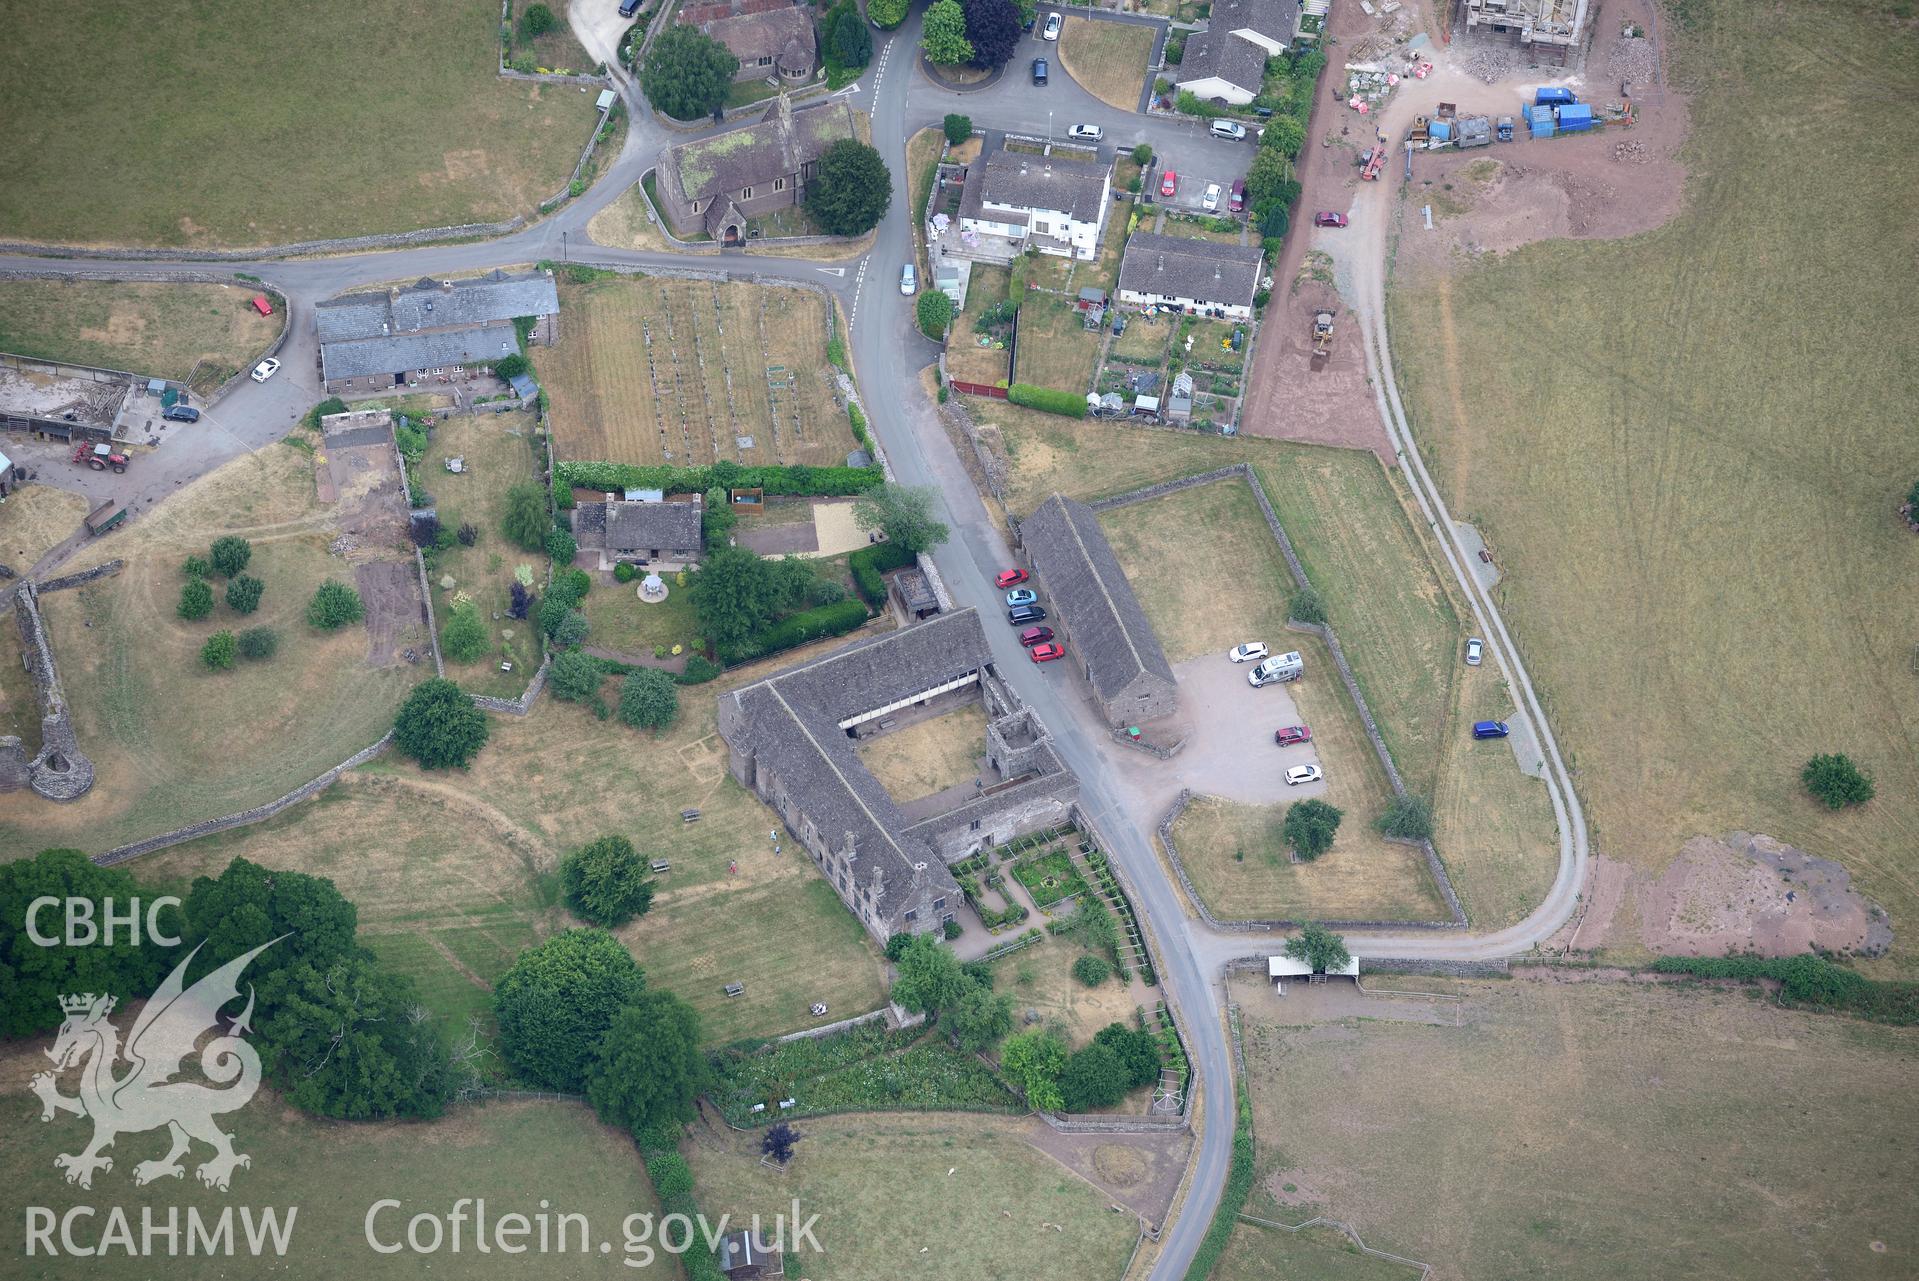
[1288,735]
[1250,652]
[1039,71]
[1236,199]
[1230,130]
[1475,651]
[1010,578]
[1035,636]
[909,280]
[1281,667]
[1051,30]
[265,369]
[1303,774]
[629,7]
[1048,652]
[1021,596]
[1168,183]
[1490,729]
[1209,199]
[1327,218]
[1085,133]
[181,414]
[1024,615]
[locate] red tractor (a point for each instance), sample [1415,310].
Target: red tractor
[99,457]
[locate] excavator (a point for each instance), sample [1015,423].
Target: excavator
[1322,337]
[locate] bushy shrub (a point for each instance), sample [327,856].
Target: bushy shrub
[1069,404]
[537,21]
[334,605]
[1143,154]
[1836,781]
[869,563]
[510,367]
[219,651]
[243,594]
[1308,607]
[230,555]
[958,128]
[798,629]
[196,567]
[935,312]
[1408,817]
[699,670]
[257,643]
[648,699]
[526,523]
[1091,970]
[624,573]
[575,677]
[561,546]
[196,600]
[464,636]
[468,533]
[886,14]
[572,629]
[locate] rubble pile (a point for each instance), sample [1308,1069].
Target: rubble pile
[1489,62]
[1631,153]
[1633,60]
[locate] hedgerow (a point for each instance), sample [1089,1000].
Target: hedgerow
[1809,982]
[868,563]
[1067,403]
[789,482]
[1239,1186]
[836,619]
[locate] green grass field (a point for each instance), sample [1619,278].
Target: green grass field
[1587,1130]
[160,330]
[1694,496]
[1055,349]
[280,123]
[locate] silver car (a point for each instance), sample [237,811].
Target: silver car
[1475,651]
[1085,133]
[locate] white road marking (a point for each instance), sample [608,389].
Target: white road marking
[832,271]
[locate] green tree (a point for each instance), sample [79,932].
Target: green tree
[1308,607]
[904,512]
[649,1068]
[1284,134]
[243,594]
[34,978]
[649,699]
[886,14]
[607,882]
[537,21]
[510,367]
[196,600]
[1836,781]
[716,519]
[958,128]
[929,977]
[1310,826]
[734,594]
[1033,1060]
[351,1040]
[334,605]
[943,34]
[439,726]
[1136,1049]
[935,312]
[852,189]
[1319,947]
[463,637]
[1266,174]
[560,545]
[196,567]
[572,629]
[1143,154]
[557,1002]
[526,523]
[1272,218]
[847,37]
[259,643]
[1091,970]
[575,677]
[993,27]
[1408,817]
[229,555]
[687,74]
[980,1018]
[247,905]
[220,651]
[1093,1079]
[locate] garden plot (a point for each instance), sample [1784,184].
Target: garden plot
[1056,349]
[690,372]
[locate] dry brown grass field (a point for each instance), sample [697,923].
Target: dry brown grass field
[160,330]
[675,371]
[1040,977]
[935,754]
[34,520]
[1108,59]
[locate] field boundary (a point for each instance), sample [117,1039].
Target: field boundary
[1345,1229]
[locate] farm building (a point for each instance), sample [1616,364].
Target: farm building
[660,535]
[430,331]
[792,741]
[771,43]
[1227,61]
[1102,622]
[1014,201]
[1196,276]
[716,184]
[74,402]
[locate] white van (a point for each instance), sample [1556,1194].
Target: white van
[1280,667]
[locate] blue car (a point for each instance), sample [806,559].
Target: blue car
[1023,596]
[1490,729]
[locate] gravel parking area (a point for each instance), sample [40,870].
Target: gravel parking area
[1231,752]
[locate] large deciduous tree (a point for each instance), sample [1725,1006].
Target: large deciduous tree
[649,1068]
[735,594]
[1310,826]
[1836,781]
[980,1018]
[687,74]
[439,726]
[846,36]
[1319,947]
[929,976]
[904,512]
[649,699]
[1094,1078]
[557,1002]
[351,1040]
[993,27]
[525,522]
[852,190]
[607,882]
[33,978]
[943,34]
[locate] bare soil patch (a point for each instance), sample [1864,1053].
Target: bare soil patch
[395,619]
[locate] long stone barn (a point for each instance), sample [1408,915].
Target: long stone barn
[792,741]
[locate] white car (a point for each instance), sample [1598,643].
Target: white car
[1051,30]
[1475,651]
[265,369]
[909,280]
[1210,200]
[1085,133]
[1251,651]
[1303,774]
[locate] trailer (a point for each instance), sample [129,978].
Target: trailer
[1475,131]
[105,517]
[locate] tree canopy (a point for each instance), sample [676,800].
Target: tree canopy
[958,129]
[1309,827]
[575,677]
[244,592]
[1093,1079]
[904,512]
[351,1040]
[463,637]
[220,651]
[934,310]
[558,1001]
[886,14]
[980,1018]
[1319,947]
[929,976]
[943,34]
[1033,1060]
[845,35]
[649,1068]
[229,555]
[438,725]
[34,978]
[247,905]
[334,605]
[1137,1051]
[525,522]
[851,191]
[649,699]
[1284,134]
[1836,781]
[993,27]
[607,882]
[687,74]
[196,600]
[736,593]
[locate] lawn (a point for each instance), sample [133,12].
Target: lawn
[1702,1132]
[249,138]
[498,450]
[930,756]
[1725,648]
[1108,59]
[1166,546]
[159,330]
[35,519]
[1055,348]
[651,370]
[1040,977]
[1145,341]
[171,742]
[966,360]
[1196,227]
[516,1155]
[966,1196]
[620,621]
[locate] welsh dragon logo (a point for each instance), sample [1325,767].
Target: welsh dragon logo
[145,1097]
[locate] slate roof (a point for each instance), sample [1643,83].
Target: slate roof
[780,34]
[1202,270]
[403,352]
[667,526]
[1084,579]
[1277,20]
[792,721]
[1217,52]
[778,147]
[427,304]
[1025,181]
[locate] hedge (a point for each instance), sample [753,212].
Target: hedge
[1809,982]
[1071,404]
[700,1264]
[858,419]
[868,563]
[791,482]
[1232,1199]
[699,669]
[836,619]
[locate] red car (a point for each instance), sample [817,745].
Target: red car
[1035,636]
[1048,652]
[1010,578]
[1327,218]
[1291,734]
[1168,183]
[1237,200]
